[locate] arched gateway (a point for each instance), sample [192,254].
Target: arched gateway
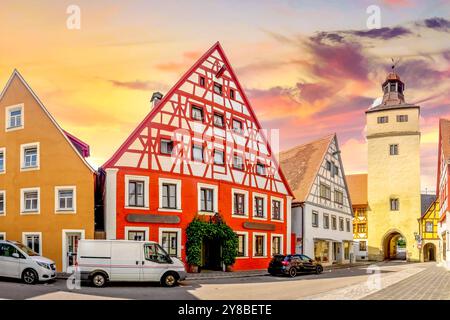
[394,246]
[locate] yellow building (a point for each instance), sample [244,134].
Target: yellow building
[357,186]
[393,137]
[46,185]
[428,226]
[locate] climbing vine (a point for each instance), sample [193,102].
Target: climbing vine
[199,230]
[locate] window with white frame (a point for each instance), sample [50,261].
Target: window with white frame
[242,244]
[238,162]
[197,153]
[207,198]
[33,241]
[315,219]
[30,156]
[65,199]
[15,118]
[259,244]
[2,160]
[259,206]
[136,192]
[240,202]
[219,157]
[169,194]
[2,203]
[166,146]
[277,244]
[137,233]
[170,241]
[277,209]
[30,200]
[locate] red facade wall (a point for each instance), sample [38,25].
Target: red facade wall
[189,207]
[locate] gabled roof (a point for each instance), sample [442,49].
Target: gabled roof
[170,93]
[301,165]
[68,137]
[357,186]
[426,200]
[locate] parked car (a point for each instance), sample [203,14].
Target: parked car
[101,261]
[20,262]
[291,265]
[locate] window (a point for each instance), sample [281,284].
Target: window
[347,225]
[326,221]
[334,170]
[325,191]
[260,250]
[2,203]
[361,213]
[333,223]
[197,113]
[29,156]
[166,146]
[276,245]
[65,198]
[328,165]
[346,250]
[219,157]
[237,126]
[217,88]
[276,210]
[30,200]
[402,118]
[395,204]
[362,246]
[393,149]
[384,119]
[260,169]
[361,228]
[14,117]
[242,247]
[259,207]
[33,241]
[238,162]
[393,87]
[207,199]
[232,94]
[429,227]
[202,81]
[169,196]
[170,242]
[239,204]
[197,153]
[136,193]
[153,252]
[218,120]
[136,235]
[315,219]
[338,197]
[341,224]
[2,160]
[7,250]
[2,237]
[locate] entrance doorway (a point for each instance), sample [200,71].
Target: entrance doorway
[336,252]
[394,246]
[70,240]
[212,254]
[429,252]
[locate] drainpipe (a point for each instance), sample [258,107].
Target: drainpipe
[302,209]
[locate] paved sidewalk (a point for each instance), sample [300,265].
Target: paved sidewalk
[430,284]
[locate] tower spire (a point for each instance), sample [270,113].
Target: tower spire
[393,87]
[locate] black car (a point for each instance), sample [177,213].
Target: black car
[292,264]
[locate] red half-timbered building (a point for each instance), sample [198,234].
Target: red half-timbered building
[200,152]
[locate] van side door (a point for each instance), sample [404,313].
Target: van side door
[9,265]
[125,261]
[155,262]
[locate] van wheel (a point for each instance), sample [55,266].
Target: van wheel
[29,276]
[292,272]
[319,269]
[169,279]
[98,280]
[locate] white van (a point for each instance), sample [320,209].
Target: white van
[100,261]
[20,262]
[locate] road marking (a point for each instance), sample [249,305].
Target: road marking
[361,290]
[64,295]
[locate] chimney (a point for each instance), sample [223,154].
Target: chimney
[156,98]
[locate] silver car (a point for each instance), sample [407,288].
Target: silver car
[20,262]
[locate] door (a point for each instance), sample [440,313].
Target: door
[212,254]
[9,265]
[155,262]
[71,249]
[126,261]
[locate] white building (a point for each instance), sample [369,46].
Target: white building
[322,210]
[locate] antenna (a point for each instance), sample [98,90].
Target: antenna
[394,63]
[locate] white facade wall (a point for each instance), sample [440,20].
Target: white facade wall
[360,255]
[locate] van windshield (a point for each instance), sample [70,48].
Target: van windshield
[25,249]
[154,252]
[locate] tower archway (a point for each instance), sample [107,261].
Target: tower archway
[429,252]
[394,246]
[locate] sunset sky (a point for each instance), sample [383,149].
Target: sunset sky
[309,67]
